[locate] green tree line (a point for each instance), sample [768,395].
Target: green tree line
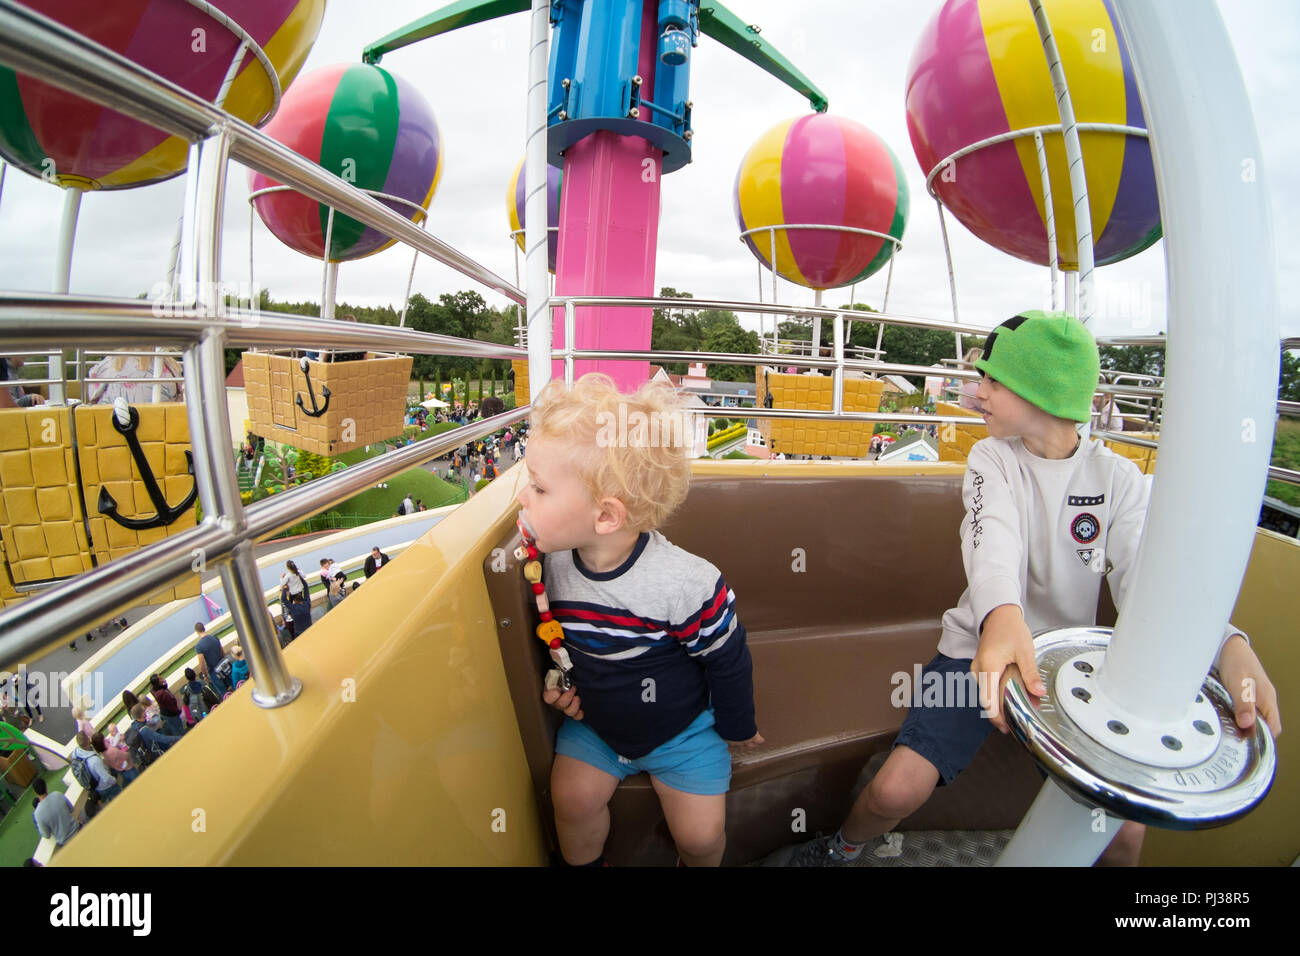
[465,314]
[460,314]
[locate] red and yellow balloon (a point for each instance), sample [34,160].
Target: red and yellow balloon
[73,142]
[824,171]
[978,71]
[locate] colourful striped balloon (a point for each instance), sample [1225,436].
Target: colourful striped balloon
[979,70]
[827,171]
[515,208]
[366,126]
[70,141]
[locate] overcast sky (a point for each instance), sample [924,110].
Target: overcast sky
[856,52]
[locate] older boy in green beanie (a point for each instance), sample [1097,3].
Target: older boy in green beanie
[1047,517]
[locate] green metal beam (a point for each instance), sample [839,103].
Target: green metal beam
[716,21]
[721,24]
[463,13]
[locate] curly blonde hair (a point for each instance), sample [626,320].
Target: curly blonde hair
[629,447]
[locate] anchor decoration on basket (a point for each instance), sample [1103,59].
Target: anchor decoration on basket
[549,630]
[316,410]
[126,421]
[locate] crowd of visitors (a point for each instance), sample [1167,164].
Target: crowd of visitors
[487,457]
[103,763]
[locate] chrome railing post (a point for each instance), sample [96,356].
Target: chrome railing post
[1049,214]
[772,264]
[837,376]
[817,324]
[219,494]
[536,224]
[1074,156]
[209,419]
[570,324]
[947,254]
[330,275]
[63,280]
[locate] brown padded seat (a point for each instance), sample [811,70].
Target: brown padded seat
[840,583]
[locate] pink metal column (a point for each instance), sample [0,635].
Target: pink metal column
[609,228]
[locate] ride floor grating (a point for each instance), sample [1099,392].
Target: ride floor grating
[924,848]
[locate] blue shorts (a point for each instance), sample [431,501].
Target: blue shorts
[949,731]
[695,761]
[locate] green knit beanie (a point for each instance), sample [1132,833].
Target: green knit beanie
[1047,358]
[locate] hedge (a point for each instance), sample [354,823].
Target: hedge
[726,435]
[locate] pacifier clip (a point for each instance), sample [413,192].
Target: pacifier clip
[549,630]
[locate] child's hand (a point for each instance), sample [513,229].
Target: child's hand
[1004,643]
[743,745]
[1243,676]
[566,701]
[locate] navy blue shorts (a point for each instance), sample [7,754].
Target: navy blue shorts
[944,724]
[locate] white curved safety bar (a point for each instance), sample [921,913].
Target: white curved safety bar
[1222,328]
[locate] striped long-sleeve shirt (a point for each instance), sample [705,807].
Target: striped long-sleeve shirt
[652,642]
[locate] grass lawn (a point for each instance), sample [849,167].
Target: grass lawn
[1286,454]
[18,836]
[358,455]
[375,504]
[437,429]
[384,501]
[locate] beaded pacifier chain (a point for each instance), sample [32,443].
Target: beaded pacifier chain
[549,631]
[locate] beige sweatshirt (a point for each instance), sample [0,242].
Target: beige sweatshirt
[1042,534]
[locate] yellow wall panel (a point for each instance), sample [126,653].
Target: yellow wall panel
[21,503]
[61,538]
[956,441]
[1144,458]
[178,426]
[521,381]
[54,503]
[15,469]
[30,541]
[48,466]
[43,521]
[794,437]
[114,463]
[65,566]
[36,569]
[13,430]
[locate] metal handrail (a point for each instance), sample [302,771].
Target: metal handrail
[898,243]
[1124,341]
[951,159]
[247,43]
[83,318]
[805,347]
[36,45]
[78,604]
[769,308]
[136,380]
